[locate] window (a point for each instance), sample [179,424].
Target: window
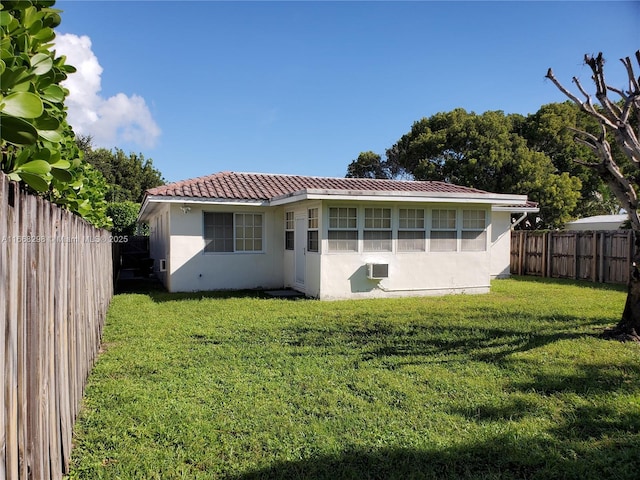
[248,232]
[229,232]
[343,229]
[474,234]
[411,230]
[289,226]
[218,232]
[377,230]
[443,231]
[312,230]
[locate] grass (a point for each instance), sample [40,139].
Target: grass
[513,384]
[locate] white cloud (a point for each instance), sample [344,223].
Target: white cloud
[110,121]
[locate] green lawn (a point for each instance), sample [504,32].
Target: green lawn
[513,384]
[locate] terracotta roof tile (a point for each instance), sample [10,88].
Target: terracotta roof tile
[258,186]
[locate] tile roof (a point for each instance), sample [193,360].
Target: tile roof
[259,186]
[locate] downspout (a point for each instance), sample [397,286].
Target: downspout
[515,224]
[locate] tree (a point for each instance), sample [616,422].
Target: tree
[486,152]
[615,117]
[125,217]
[127,175]
[37,143]
[367,165]
[550,130]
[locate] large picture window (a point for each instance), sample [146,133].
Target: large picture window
[229,232]
[377,230]
[343,229]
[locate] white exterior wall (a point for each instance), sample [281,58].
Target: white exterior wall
[193,270]
[500,244]
[159,243]
[344,274]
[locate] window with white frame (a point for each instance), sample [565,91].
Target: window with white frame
[377,230]
[289,230]
[443,231]
[248,230]
[343,229]
[312,230]
[233,232]
[411,232]
[474,233]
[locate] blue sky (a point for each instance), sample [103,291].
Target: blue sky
[304,87]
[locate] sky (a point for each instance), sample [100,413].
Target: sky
[302,88]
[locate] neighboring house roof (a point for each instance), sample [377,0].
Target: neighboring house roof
[274,189]
[598,222]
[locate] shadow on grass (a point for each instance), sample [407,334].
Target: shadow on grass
[587,442]
[418,343]
[502,457]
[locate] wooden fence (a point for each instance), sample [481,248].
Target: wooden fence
[597,256]
[56,283]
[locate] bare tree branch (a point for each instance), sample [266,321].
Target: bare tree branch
[561,87]
[618,91]
[582,90]
[634,85]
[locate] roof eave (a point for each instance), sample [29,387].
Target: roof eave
[515,209]
[147,208]
[400,196]
[499,202]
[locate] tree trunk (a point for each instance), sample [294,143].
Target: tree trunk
[629,325]
[616,117]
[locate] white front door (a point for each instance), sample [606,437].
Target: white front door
[300,245]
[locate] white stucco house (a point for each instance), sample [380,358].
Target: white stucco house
[329,238]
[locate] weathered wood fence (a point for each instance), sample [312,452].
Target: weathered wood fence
[55,286]
[597,256]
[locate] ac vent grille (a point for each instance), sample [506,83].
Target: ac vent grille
[377,271]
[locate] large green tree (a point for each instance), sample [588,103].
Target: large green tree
[368,165]
[37,143]
[506,154]
[486,152]
[618,121]
[128,176]
[551,130]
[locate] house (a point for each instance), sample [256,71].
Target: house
[329,238]
[598,222]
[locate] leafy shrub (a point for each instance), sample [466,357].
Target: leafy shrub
[124,216]
[37,144]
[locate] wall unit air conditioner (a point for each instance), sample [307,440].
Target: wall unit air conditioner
[376,271]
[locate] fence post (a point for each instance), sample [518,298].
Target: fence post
[549,254]
[631,245]
[523,268]
[594,259]
[576,246]
[543,257]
